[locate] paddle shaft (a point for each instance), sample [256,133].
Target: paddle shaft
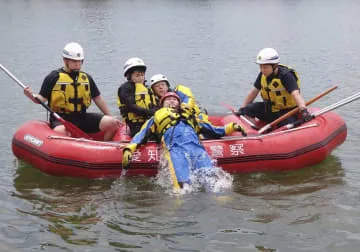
[35,97]
[72,128]
[293,111]
[12,77]
[232,109]
[328,108]
[337,104]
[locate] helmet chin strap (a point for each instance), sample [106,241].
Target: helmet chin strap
[71,71]
[67,69]
[274,67]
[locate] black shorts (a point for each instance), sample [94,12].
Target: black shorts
[87,122]
[261,111]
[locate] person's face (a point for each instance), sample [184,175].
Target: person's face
[266,69]
[73,65]
[171,102]
[160,88]
[138,77]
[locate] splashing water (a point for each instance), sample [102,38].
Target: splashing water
[163,177]
[213,179]
[210,179]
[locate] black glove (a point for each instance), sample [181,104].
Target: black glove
[151,112]
[238,127]
[305,115]
[240,112]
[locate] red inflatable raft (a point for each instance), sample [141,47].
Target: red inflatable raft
[279,150]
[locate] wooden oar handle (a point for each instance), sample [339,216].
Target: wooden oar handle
[320,95]
[293,111]
[296,110]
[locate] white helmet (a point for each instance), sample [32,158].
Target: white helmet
[157,78]
[268,56]
[132,63]
[73,51]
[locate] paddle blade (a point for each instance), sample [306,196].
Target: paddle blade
[74,131]
[228,106]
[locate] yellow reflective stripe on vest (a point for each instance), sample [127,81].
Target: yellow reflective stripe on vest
[66,98]
[277,94]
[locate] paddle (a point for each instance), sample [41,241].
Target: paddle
[293,111]
[338,104]
[328,108]
[75,131]
[232,109]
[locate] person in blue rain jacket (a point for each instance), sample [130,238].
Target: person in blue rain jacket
[178,129]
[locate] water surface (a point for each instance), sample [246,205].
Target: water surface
[209,46]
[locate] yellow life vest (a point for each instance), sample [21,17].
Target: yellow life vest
[187,91]
[275,91]
[191,100]
[68,97]
[143,98]
[164,118]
